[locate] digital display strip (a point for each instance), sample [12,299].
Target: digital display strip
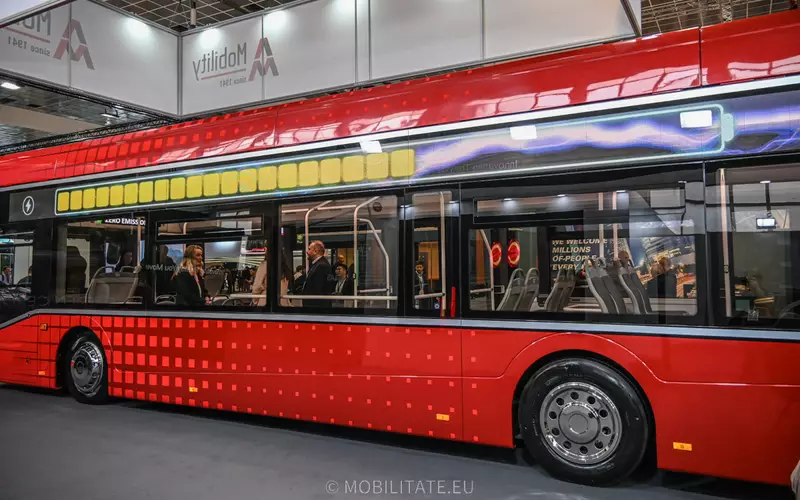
[746,125]
[232,182]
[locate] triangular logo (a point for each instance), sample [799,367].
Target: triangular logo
[82,52]
[260,65]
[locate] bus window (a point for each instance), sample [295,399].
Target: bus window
[16,273]
[751,214]
[624,252]
[344,253]
[231,251]
[99,262]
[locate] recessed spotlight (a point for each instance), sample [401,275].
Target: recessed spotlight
[9,86]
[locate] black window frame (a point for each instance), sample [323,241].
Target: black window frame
[572,183]
[717,313]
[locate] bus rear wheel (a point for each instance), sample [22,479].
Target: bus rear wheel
[86,371]
[584,422]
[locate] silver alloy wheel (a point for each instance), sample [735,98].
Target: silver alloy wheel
[86,368]
[580,423]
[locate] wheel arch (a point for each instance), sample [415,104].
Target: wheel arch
[63,348]
[595,348]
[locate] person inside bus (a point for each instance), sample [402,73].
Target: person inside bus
[318,279]
[287,282]
[350,270]
[164,270]
[420,286]
[299,280]
[7,278]
[75,282]
[125,260]
[260,284]
[188,278]
[343,287]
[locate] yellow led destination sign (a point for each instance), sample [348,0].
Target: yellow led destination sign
[236,182]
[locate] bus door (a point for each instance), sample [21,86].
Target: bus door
[430,267]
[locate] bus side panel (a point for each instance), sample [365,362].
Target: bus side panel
[683,359]
[745,432]
[735,402]
[19,354]
[488,399]
[377,377]
[731,427]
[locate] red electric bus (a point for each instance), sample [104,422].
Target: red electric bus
[591,254]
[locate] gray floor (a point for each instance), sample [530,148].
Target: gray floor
[54,448]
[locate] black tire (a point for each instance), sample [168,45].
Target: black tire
[622,414]
[86,370]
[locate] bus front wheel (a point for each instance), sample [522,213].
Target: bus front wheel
[86,371]
[583,421]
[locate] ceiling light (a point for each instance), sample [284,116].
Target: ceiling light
[620,191]
[507,199]
[766,182]
[561,195]
[371,147]
[523,132]
[9,86]
[766,223]
[697,119]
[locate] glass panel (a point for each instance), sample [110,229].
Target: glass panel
[100,262]
[427,213]
[343,253]
[16,273]
[756,213]
[211,228]
[16,259]
[219,261]
[617,252]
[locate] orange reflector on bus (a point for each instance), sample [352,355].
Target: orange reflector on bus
[443,416]
[192,389]
[682,446]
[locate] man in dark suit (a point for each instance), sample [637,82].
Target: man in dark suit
[319,280]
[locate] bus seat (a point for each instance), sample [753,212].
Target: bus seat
[621,277]
[527,301]
[569,286]
[214,281]
[595,273]
[112,287]
[513,292]
[561,292]
[636,284]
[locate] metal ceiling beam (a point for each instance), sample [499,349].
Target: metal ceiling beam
[635,26]
[35,120]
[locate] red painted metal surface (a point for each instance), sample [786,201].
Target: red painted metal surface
[438,382]
[630,68]
[767,48]
[753,48]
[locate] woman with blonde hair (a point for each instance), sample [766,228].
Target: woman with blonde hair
[188,278]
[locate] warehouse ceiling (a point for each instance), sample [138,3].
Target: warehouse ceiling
[658,16]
